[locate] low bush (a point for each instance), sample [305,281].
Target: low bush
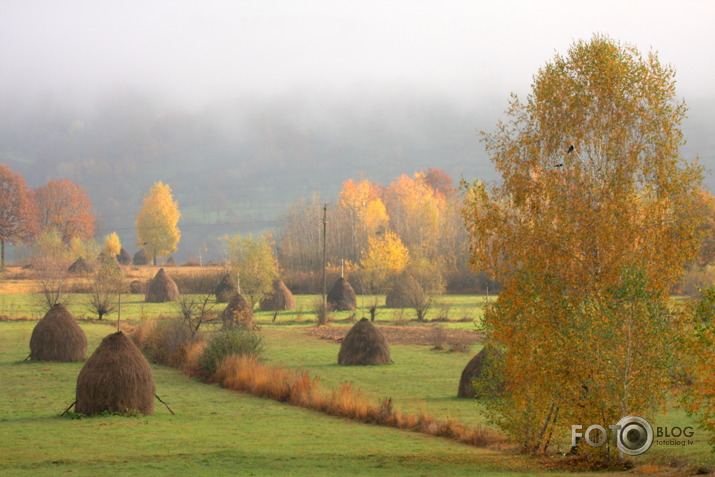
[164,341]
[234,341]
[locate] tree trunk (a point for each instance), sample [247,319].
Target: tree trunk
[2,254]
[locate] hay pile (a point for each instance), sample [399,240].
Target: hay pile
[404,293]
[364,344]
[342,296]
[137,287]
[162,288]
[170,262]
[474,369]
[79,266]
[140,258]
[116,378]
[124,258]
[225,290]
[238,312]
[279,299]
[58,337]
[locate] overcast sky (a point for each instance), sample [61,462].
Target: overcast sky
[202,51]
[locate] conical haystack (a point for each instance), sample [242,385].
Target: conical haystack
[123,257]
[474,370]
[116,378]
[225,290]
[238,312]
[140,258]
[58,337]
[79,266]
[170,262]
[279,299]
[405,292]
[342,296]
[137,287]
[162,288]
[364,344]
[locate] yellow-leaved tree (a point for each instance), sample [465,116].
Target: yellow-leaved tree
[157,231]
[385,258]
[587,231]
[112,245]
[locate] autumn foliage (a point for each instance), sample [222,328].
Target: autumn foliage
[17,220]
[156,222]
[588,230]
[63,205]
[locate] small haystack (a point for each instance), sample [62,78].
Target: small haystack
[238,312]
[279,299]
[170,262]
[404,293]
[225,290]
[116,378]
[364,344]
[140,258]
[342,296]
[162,288]
[474,370]
[58,337]
[79,266]
[137,287]
[123,257]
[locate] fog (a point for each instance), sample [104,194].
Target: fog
[265,101]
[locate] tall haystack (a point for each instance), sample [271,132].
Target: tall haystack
[238,312]
[79,266]
[279,299]
[140,258]
[364,344]
[342,296]
[58,337]
[123,257]
[225,290]
[474,369]
[162,288]
[404,293]
[116,378]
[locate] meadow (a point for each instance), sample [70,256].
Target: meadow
[221,432]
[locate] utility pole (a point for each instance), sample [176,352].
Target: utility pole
[324,311]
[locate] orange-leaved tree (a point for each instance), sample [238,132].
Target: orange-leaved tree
[362,212]
[157,230]
[587,231]
[63,205]
[17,219]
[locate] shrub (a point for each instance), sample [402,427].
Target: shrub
[225,343]
[164,341]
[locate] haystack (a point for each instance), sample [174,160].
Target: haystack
[279,299]
[170,262]
[342,296]
[137,287]
[79,266]
[238,312]
[58,337]
[123,257]
[140,258]
[404,293]
[225,290]
[116,378]
[162,288]
[474,369]
[364,344]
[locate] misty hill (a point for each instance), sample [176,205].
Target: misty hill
[235,166]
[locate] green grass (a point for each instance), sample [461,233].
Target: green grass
[214,432]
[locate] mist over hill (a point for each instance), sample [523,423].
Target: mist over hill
[235,166]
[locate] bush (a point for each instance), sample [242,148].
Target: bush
[164,341]
[225,343]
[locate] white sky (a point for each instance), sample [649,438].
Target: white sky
[203,51]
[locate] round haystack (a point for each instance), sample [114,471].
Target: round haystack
[170,262]
[58,337]
[225,290]
[238,312]
[79,266]
[474,370]
[342,296]
[162,288]
[404,293]
[279,299]
[116,378]
[364,344]
[140,258]
[137,287]
[123,257]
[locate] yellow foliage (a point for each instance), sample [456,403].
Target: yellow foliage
[385,257]
[112,245]
[157,230]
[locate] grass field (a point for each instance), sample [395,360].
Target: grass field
[219,432]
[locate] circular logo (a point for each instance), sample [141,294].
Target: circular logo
[635,435]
